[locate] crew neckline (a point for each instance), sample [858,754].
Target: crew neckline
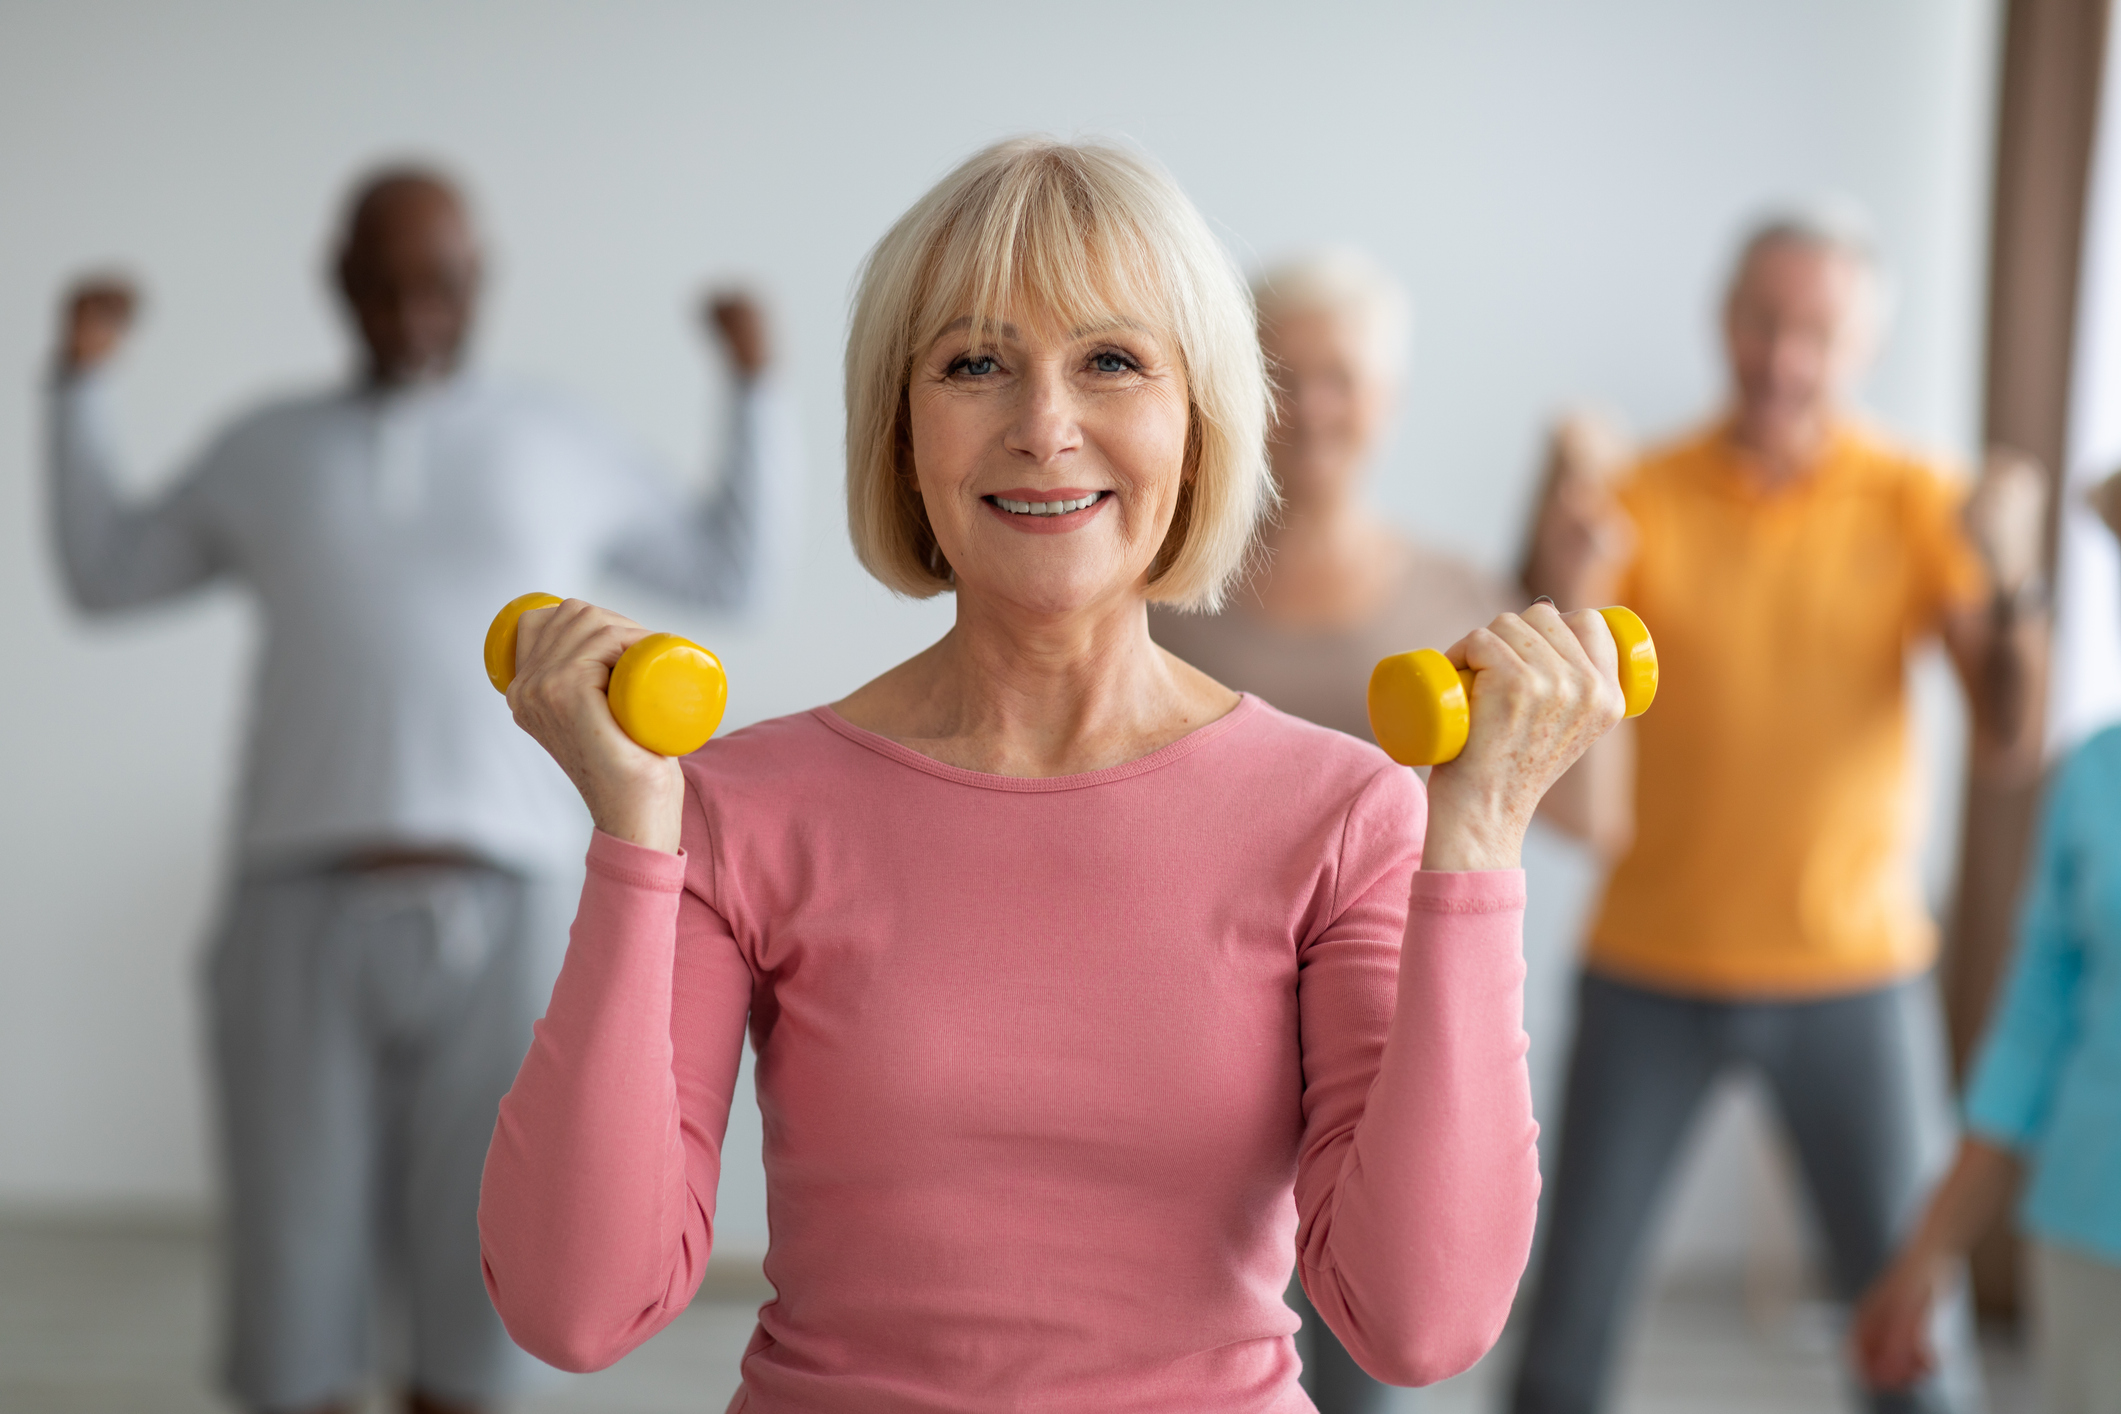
[1247,707]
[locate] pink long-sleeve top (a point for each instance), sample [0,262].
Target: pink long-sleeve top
[1056,1075]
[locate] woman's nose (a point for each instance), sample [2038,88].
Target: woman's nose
[1047,424]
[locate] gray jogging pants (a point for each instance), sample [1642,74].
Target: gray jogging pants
[1862,1087]
[364,1028]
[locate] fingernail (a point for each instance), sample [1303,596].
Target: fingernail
[1542,599]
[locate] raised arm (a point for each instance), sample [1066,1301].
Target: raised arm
[731,550]
[597,1210]
[113,554]
[1419,1178]
[1418,1182]
[1576,553]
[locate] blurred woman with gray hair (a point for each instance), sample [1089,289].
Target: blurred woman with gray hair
[1337,587]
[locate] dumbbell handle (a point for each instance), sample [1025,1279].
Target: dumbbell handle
[1421,709]
[667,692]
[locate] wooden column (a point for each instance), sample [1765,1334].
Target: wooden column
[2047,115]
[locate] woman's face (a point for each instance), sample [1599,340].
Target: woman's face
[1050,461]
[1334,402]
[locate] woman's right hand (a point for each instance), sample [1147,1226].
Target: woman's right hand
[564,658]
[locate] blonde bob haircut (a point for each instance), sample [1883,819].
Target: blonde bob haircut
[1081,234]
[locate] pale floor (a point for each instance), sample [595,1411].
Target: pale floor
[111,1319]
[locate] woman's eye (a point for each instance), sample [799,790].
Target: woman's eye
[978,365]
[1109,362]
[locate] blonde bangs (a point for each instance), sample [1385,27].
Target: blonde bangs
[1076,235]
[1030,244]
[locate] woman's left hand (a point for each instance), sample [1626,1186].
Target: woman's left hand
[1546,685]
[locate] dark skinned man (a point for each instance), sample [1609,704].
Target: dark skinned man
[392,932]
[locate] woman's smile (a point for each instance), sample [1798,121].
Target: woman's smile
[1053,512]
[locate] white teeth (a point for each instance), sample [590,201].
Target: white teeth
[1046,508]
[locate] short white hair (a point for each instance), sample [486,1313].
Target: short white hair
[1339,280]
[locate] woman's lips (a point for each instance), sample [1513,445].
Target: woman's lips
[1051,512]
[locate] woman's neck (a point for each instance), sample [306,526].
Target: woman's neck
[1330,565]
[1013,693]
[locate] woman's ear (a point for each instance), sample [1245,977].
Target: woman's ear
[1190,468]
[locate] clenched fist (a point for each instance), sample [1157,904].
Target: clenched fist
[1580,535]
[740,324]
[2007,518]
[96,315]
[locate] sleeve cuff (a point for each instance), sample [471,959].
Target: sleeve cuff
[1470,891]
[2003,1099]
[629,863]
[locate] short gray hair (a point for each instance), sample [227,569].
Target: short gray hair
[1829,224]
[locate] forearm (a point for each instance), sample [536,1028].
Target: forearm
[1973,1196]
[1574,565]
[2013,664]
[591,1238]
[729,550]
[1570,586]
[755,508]
[1415,1256]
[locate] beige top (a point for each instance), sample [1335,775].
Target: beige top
[1323,677]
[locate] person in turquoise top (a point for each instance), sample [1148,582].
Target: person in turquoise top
[2043,1110]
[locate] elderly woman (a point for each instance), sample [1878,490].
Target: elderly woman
[1338,587]
[1082,987]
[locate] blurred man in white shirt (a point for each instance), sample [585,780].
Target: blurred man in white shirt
[380,960]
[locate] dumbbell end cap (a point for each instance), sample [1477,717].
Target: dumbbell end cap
[501,637]
[1638,658]
[668,694]
[1418,708]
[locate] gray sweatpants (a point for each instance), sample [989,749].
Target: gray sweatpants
[365,1026]
[1861,1085]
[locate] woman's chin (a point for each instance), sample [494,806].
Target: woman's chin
[1055,592]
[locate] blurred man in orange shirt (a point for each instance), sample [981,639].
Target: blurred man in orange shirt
[1788,558]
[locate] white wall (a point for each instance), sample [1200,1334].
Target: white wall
[1557,182]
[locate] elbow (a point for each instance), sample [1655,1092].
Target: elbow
[91,590]
[1430,1332]
[82,590]
[1437,1317]
[89,598]
[556,1335]
[1434,1353]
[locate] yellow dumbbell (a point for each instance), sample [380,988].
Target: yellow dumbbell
[666,692]
[1419,710]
